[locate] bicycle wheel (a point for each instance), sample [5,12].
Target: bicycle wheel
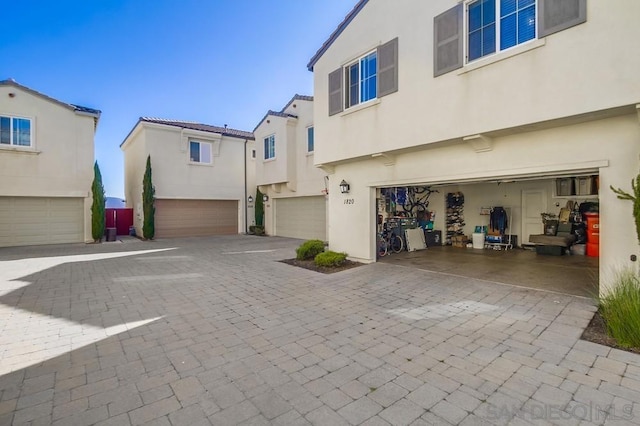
[396,243]
[382,248]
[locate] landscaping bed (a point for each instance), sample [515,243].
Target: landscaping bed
[310,264]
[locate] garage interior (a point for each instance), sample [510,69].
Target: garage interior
[537,232]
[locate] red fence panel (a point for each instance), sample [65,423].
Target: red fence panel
[121,219]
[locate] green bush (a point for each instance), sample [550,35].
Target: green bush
[620,310]
[309,249]
[330,259]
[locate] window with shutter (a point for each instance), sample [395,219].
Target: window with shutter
[388,68]
[335,92]
[448,40]
[558,15]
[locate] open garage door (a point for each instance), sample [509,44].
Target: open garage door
[301,217]
[40,220]
[195,218]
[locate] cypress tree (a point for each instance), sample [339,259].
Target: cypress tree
[148,191]
[98,205]
[259,210]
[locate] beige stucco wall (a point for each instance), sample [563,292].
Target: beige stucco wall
[583,69]
[293,172]
[609,146]
[60,161]
[175,177]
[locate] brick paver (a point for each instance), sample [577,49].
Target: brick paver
[217,331]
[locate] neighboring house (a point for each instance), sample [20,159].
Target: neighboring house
[201,174]
[489,98]
[46,168]
[285,172]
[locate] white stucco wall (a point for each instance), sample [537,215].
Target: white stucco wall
[293,172]
[60,160]
[174,176]
[564,103]
[580,70]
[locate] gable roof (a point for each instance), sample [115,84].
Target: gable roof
[282,112]
[76,108]
[224,131]
[334,35]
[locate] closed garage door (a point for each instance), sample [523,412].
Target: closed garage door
[302,217]
[39,220]
[194,218]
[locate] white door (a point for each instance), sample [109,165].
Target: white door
[301,217]
[40,220]
[534,203]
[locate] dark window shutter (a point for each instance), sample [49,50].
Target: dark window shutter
[335,92]
[448,38]
[388,68]
[558,15]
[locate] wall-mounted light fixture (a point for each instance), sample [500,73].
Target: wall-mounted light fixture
[250,199]
[344,187]
[265,198]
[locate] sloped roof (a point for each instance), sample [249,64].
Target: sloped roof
[225,131]
[283,114]
[347,20]
[91,111]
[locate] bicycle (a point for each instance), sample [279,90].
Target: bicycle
[389,241]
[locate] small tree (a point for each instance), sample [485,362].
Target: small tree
[623,195]
[259,210]
[148,191]
[97,207]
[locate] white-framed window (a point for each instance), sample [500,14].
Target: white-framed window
[361,80]
[496,25]
[310,143]
[200,152]
[270,147]
[15,131]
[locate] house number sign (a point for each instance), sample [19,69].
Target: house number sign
[349,201]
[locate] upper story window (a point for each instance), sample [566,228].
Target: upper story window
[310,139]
[253,154]
[477,28]
[361,80]
[270,147]
[372,76]
[15,131]
[494,25]
[200,152]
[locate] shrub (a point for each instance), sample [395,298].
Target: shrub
[330,259]
[309,249]
[620,310]
[98,205]
[258,230]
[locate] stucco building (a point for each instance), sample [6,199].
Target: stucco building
[285,172]
[202,176]
[497,100]
[46,168]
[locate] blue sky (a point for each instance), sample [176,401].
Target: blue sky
[213,61]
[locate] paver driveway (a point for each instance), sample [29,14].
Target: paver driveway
[216,331]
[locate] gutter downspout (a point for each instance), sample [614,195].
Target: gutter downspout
[246,207]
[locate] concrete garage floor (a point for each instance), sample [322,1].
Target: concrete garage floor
[575,275]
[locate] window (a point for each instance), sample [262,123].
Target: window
[253,153]
[15,131]
[310,139]
[361,80]
[200,152]
[494,25]
[270,147]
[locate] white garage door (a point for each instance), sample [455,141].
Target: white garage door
[301,217]
[195,218]
[38,220]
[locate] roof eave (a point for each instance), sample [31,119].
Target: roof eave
[333,37]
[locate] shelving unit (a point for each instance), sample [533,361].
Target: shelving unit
[502,245]
[455,215]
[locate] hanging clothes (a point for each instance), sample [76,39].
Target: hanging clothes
[498,220]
